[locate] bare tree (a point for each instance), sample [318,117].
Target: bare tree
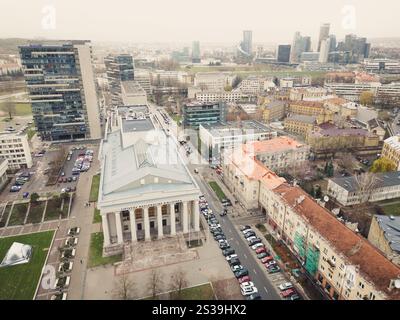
[178,282]
[124,287]
[155,283]
[9,107]
[366,183]
[347,161]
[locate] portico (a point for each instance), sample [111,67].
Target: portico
[144,195]
[150,222]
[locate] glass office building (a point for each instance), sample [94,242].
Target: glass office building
[119,68]
[196,113]
[60,82]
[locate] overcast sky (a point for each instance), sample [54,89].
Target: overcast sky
[187,20]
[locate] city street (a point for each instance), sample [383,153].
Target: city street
[233,235]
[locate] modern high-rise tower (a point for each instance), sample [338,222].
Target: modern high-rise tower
[300,44]
[323,34]
[247,43]
[119,67]
[283,53]
[196,56]
[61,85]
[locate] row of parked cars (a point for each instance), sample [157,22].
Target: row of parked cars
[83,162]
[247,287]
[66,264]
[20,180]
[287,290]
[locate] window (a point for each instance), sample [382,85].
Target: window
[361,285]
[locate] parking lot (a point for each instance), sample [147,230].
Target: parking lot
[38,174]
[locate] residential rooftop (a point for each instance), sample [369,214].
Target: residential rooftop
[390,226]
[386,179]
[394,142]
[278,144]
[231,128]
[373,266]
[302,118]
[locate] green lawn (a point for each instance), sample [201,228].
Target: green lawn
[18,214]
[391,208]
[65,207]
[5,216]
[21,109]
[53,210]
[96,216]
[94,190]
[36,212]
[31,132]
[217,189]
[96,252]
[201,292]
[19,282]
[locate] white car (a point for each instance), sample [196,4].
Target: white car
[66,266]
[73,231]
[230,257]
[222,241]
[71,241]
[249,239]
[247,230]
[257,245]
[285,286]
[247,284]
[59,296]
[215,226]
[248,291]
[61,280]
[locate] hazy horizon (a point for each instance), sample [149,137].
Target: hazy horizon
[211,22]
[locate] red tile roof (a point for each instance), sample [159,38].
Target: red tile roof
[374,267]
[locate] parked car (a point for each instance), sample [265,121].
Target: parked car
[262,255]
[244,279]
[267,259]
[287,293]
[234,262]
[69,179]
[254,241]
[224,245]
[73,231]
[257,245]
[273,269]
[285,286]
[243,228]
[241,273]
[254,296]
[247,231]
[228,252]
[219,236]
[74,178]
[62,174]
[260,250]
[251,238]
[15,188]
[249,291]
[237,267]
[231,257]
[270,263]
[250,234]
[25,195]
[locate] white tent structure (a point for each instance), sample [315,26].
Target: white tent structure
[18,253]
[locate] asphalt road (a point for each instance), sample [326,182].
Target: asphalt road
[244,252]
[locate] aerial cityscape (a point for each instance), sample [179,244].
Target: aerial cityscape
[148,157]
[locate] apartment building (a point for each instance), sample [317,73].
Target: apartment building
[216,96]
[384,233]
[307,108]
[381,65]
[213,81]
[132,93]
[273,110]
[345,265]
[170,78]
[350,190]
[299,124]
[329,137]
[307,94]
[14,147]
[142,76]
[391,150]
[352,91]
[218,137]
[243,175]
[278,153]
[255,85]
[61,85]
[3,173]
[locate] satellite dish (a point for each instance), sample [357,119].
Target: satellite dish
[326,198]
[397,284]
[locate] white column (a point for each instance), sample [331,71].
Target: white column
[146,224]
[196,222]
[119,227]
[132,218]
[106,230]
[159,222]
[172,217]
[185,217]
